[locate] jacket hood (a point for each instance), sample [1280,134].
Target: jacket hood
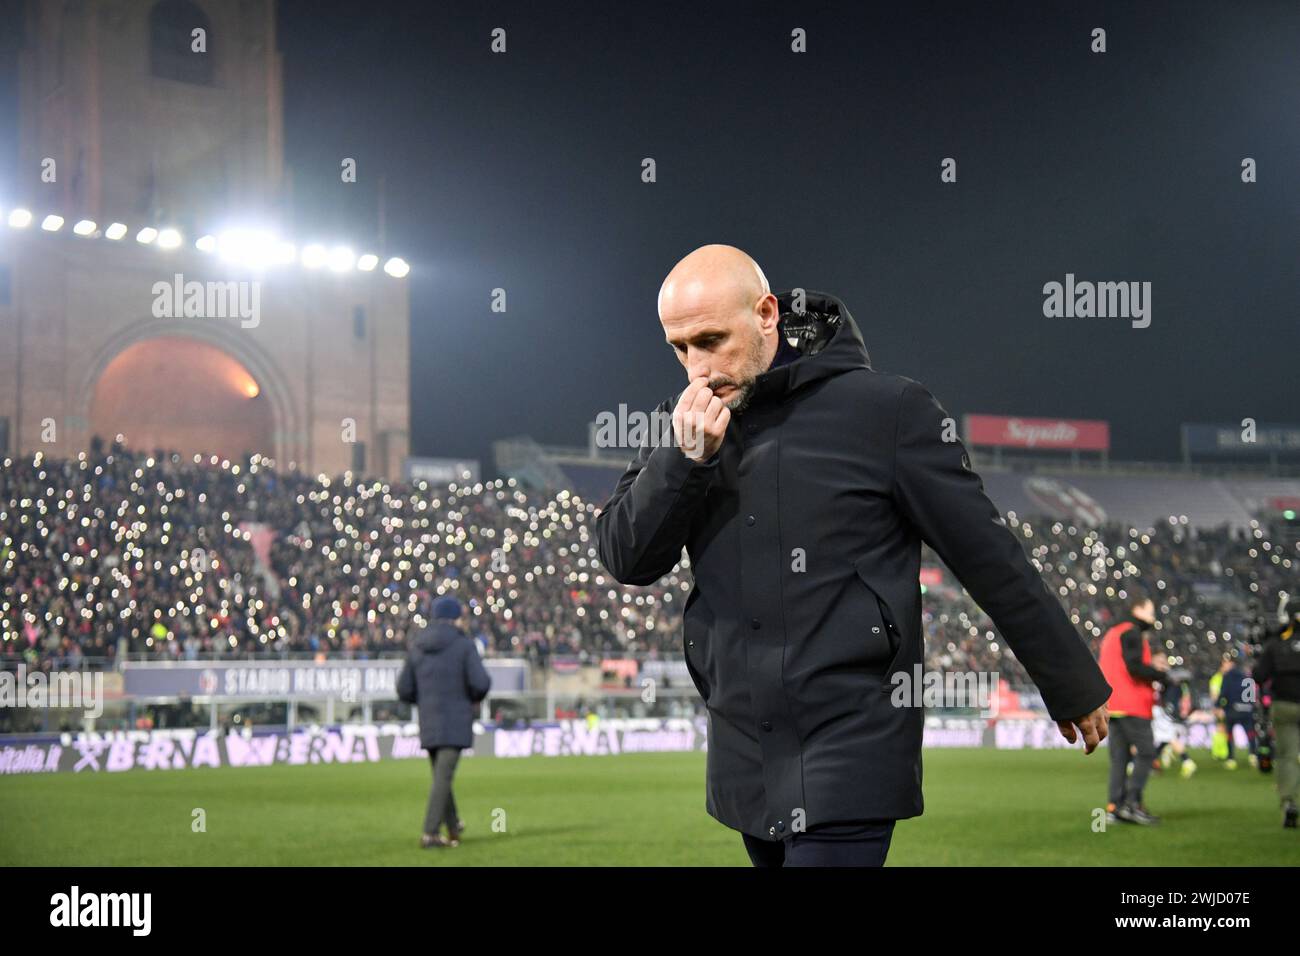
[825,335]
[437,636]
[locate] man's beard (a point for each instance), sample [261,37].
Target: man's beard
[753,367]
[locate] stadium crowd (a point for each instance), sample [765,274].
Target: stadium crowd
[172,557]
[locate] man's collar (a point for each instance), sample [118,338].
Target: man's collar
[785,353]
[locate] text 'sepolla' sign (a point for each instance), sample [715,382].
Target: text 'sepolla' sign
[1068,434]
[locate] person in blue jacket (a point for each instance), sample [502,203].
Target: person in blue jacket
[444,678]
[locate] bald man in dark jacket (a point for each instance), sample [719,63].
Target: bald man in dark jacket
[801,483]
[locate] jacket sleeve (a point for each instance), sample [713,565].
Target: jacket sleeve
[406,682]
[477,680]
[644,525]
[1130,647]
[944,499]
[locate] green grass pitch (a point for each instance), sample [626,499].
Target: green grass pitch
[983,808]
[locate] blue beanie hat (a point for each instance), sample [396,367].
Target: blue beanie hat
[446,608]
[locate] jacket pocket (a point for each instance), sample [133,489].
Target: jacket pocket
[695,638]
[883,635]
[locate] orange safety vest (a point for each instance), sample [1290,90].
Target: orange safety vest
[1128,697]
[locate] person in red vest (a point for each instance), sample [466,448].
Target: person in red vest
[1126,663]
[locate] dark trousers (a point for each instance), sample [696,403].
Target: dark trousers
[862,843]
[1126,732]
[442,805]
[1247,723]
[1286,730]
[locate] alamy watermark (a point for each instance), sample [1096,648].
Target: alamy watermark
[972,690]
[73,909]
[82,690]
[179,299]
[1101,300]
[637,429]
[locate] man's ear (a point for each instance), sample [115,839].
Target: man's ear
[771,310]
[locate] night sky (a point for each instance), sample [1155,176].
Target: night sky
[523,171]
